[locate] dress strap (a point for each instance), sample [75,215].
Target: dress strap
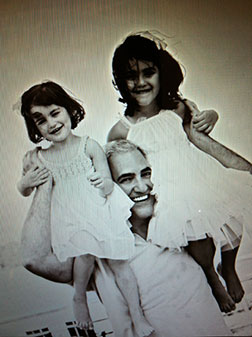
[40,156]
[83,145]
[126,123]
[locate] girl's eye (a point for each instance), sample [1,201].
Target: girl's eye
[130,76]
[40,121]
[55,113]
[149,72]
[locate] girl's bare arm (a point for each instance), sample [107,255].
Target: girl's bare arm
[118,131]
[101,178]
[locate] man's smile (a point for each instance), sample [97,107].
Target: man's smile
[141,198]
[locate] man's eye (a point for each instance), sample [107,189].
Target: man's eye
[125,181]
[146,174]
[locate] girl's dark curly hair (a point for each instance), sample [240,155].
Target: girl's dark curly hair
[46,94]
[141,48]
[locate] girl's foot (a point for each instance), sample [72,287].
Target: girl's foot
[81,313]
[233,283]
[223,299]
[142,327]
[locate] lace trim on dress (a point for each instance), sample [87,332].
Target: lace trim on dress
[128,124]
[77,166]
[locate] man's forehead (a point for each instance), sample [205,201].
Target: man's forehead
[127,163]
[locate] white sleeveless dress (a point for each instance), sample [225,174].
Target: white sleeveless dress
[83,222]
[196,194]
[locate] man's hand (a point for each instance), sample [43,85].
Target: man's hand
[204,121]
[34,177]
[104,184]
[205,143]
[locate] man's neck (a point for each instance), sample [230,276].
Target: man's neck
[140,226]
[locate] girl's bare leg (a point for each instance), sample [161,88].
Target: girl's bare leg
[127,283]
[203,253]
[228,272]
[83,268]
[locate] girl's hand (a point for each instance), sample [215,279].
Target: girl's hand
[104,184]
[34,177]
[204,121]
[30,160]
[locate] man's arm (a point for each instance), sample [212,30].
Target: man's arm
[25,191]
[224,155]
[37,253]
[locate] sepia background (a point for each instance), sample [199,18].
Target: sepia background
[72,42]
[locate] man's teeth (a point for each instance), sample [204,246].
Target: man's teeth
[142,198]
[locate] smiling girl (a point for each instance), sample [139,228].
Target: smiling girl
[89,212]
[198,199]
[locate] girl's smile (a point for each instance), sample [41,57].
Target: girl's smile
[52,121]
[142,82]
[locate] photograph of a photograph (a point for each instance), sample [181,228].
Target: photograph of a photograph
[126,171]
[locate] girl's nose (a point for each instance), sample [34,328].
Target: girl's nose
[51,123]
[140,79]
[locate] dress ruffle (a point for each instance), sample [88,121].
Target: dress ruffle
[196,194]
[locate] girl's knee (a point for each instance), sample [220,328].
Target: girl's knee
[87,259]
[118,266]
[203,252]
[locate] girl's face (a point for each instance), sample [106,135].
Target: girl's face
[52,121]
[142,81]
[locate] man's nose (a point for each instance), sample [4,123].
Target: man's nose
[140,186]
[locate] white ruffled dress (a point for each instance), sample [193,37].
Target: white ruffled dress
[196,194]
[82,221]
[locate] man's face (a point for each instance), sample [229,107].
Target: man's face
[132,172]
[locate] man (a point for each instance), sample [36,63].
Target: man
[175,296]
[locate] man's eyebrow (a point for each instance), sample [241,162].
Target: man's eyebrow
[147,169]
[125,175]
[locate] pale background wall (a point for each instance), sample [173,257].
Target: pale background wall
[72,42]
